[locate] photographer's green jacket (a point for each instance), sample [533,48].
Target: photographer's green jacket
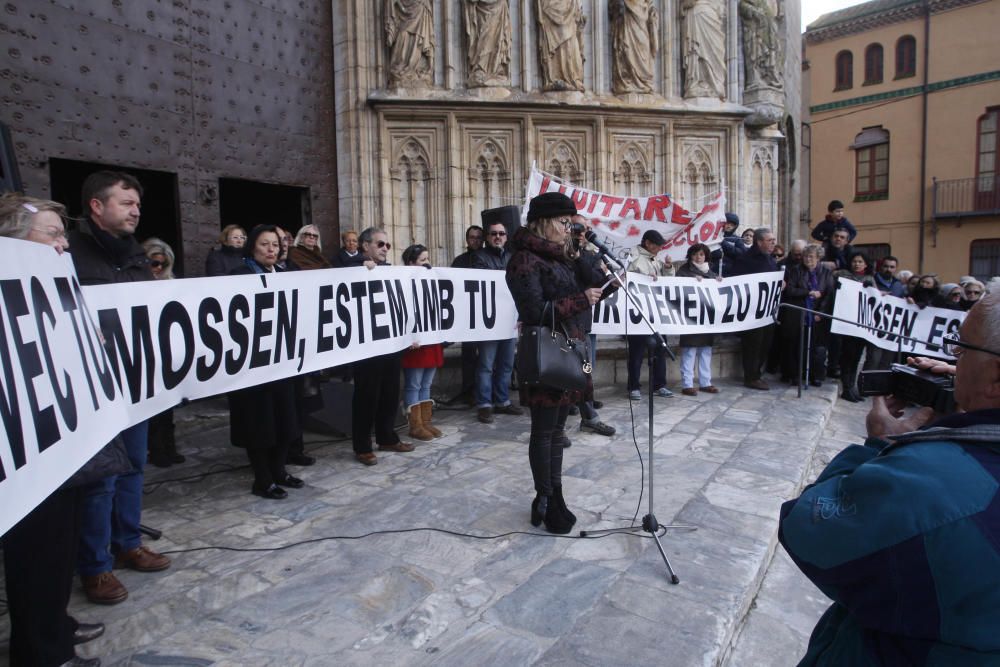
[904,537]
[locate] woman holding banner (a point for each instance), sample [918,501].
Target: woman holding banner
[264,419]
[697,346]
[39,552]
[543,280]
[852,347]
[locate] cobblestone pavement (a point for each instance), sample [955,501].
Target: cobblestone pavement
[723,463]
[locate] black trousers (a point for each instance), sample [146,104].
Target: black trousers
[638,349]
[545,458]
[470,360]
[376,399]
[755,345]
[268,465]
[851,349]
[39,555]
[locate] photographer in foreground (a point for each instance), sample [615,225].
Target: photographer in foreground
[903,532]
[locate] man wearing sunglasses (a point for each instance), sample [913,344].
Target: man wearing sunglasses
[496,357]
[376,379]
[903,532]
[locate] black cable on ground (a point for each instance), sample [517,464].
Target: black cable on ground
[399,531]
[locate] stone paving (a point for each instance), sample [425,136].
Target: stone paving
[781,618]
[724,464]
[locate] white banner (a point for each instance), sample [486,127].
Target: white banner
[64,395]
[620,221]
[689,305]
[894,317]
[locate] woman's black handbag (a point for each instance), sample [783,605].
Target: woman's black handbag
[110,460]
[548,357]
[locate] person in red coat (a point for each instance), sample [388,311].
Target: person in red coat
[420,363]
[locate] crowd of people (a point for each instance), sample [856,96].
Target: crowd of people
[553,274]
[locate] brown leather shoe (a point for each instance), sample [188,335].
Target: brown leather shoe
[710,389]
[142,559]
[757,384]
[103,588]
[369,458]
[689,391]
[397,447]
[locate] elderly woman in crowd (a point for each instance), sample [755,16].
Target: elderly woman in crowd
[809,285]
[697,347]
[39,552]
[543,281]
[420,363]
[851,347]
[264,419]
[307,249]
[972,291]
[950,296]
[349,253]
[162,444]
[229,255]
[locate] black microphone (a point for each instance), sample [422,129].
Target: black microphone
[592,238]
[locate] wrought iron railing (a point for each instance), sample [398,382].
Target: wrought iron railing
[967,196]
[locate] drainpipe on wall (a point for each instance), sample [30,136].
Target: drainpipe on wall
[923,136]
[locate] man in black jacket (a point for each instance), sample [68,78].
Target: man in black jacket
[470,351]
[105,251]
[755,342]
[496,357]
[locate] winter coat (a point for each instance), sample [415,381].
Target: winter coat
[797,290]
[689,270]
[838,257]
[266,415]
[306,259]
[222,260]
[488,257]
[341,259]
[647,264]
[752,261]
[464,261]
[825,228]
[894,287]
[102,259]
[867,280]
[541,278]
[425,356]
[902,536]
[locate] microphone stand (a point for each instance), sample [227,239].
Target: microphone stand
[658,346]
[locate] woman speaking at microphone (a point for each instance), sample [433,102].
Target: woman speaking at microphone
[542,278]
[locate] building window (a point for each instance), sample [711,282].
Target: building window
[873,64]
[906,57]
[987,175]
[984,259]
[876,251]
[845,71]
[871,150]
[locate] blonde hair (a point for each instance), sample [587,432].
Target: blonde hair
[315,230]
[18,211]
[155,246]
[541,227]
[227,230]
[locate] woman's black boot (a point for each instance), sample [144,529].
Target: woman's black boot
[554,519]
[557,498]
[536,514]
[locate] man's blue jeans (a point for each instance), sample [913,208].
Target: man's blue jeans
[496,363]
[112,509]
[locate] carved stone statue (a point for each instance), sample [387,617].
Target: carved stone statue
[409,32]
[487,27]
[704,48]
[560,44]
[762,52]
[634,43]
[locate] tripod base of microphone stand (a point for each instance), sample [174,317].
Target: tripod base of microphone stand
[649,525]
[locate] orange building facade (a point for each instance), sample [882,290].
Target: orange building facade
[901,110]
